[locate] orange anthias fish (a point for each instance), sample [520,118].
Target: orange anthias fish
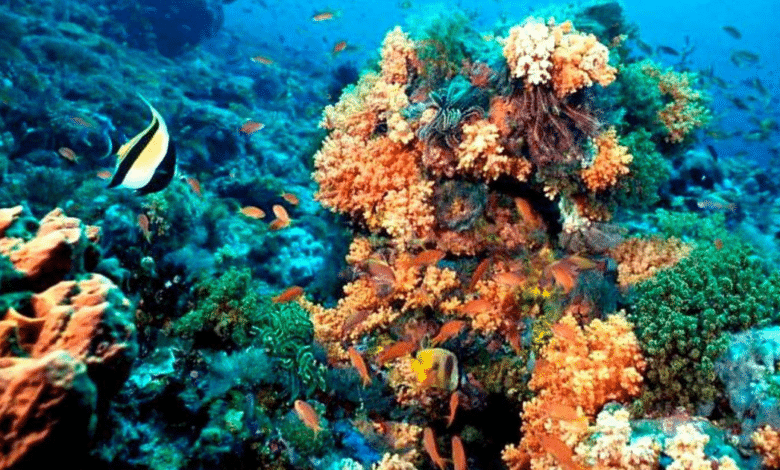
[510,279]
[353,320]
[564,272]
[380,271]
[104,174]
[195,186]
[307,414]
[428,257]
[253,212]
[324,16]
[429,442]
[558,449]
[250,127]
[396,350]
[260,59]
[359,364]
[143,223]
[458,454]
[447,331]
[339,46]
[291,198]
[454,403]
[282,218]
[68,154]
[564,331]
[527,213]
[291,293]
[476,306]
[479,271]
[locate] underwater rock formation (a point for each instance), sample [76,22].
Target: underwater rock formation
[64,351]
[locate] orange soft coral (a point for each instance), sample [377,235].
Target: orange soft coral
[578,372]
[541,54]
[686,112]
[639,259]
[393,196]
[480,154]
[579,60]
[767,442]
[612,160]
[398,56]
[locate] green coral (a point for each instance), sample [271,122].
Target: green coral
[306,442]
[682,315]
[231,313]
[648,171]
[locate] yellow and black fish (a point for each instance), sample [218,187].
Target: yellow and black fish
[437,368]
[146,162]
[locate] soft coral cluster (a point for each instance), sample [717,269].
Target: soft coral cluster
[582,370]
[557,55]
[611,161]
[686,109]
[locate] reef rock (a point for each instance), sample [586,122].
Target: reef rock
[65,350]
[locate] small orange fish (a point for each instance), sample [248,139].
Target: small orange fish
[510,279]
[359,364]
[279,224]
[250,127]
[476,306]
[429,442]
[428,257]
[479,271]
[280,212]
[564,273]
[396,350]
[447,331]
[582,263]
[325,15]
[291,293]
[561,411]
[195,185]
[564,331]
[339,46]
[380,271]
[458,454]
[718,244]
[68,154]
[260,59]
[253,212]
[454,402]
[307,414]
[527,213]
[513,336]
[104,174]
[354,320]
[558,449]
[143,223]
[291,198]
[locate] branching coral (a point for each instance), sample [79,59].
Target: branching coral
[611,161]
